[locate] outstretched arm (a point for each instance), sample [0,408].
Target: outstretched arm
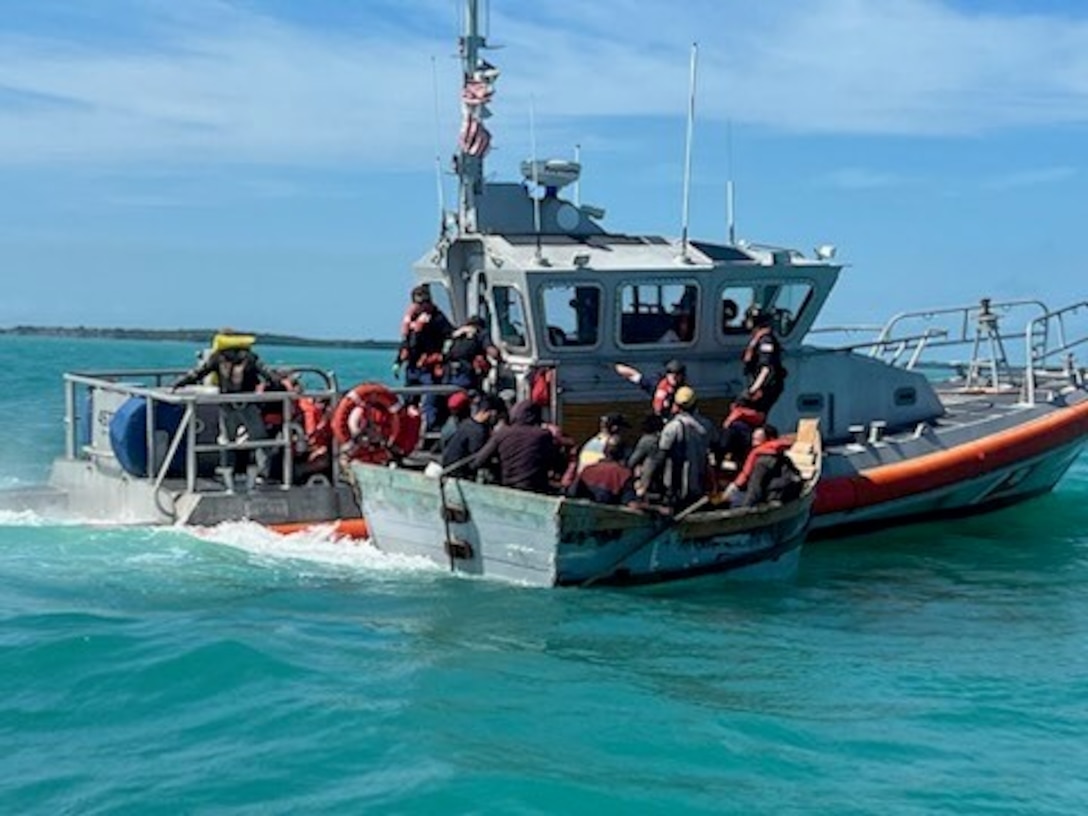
[634,376]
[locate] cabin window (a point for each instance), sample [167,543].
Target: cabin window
[905,396]
[572,314]
[510,316]
[736,301]
[787,302]
[655,313]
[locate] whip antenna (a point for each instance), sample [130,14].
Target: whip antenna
[730,203]
[438,153]
[687,149]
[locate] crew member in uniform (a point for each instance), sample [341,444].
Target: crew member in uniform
[762,360]
[662,389]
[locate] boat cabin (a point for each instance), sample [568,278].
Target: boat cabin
[571,296]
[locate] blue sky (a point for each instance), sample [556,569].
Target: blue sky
[269,164]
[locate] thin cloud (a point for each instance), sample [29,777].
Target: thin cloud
[210,81]
[1031,178]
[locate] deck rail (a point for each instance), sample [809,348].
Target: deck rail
[150,384]
[973,348]
[153,385]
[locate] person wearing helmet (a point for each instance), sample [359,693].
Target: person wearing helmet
[762,359]
[661,388]
[684,449]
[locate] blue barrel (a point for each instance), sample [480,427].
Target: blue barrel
[128,434]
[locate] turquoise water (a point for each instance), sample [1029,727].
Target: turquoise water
[932,669]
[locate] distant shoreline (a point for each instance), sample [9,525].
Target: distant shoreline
[199,336]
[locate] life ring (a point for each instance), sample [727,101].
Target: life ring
[375,425]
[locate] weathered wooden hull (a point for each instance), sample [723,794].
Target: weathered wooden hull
[541,540]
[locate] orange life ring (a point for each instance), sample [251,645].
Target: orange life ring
[375,425]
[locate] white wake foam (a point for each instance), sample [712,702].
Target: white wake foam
[316,544]
[20,518]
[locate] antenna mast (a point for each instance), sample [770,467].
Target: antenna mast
[687,150]
[438,154]
[730,203]
[477,89]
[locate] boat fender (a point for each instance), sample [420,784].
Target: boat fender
[375,424]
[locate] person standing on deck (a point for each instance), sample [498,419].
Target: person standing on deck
[424,330]
[238,370]
[762,359]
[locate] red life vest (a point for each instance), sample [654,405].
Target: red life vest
[664,392]
[772,447]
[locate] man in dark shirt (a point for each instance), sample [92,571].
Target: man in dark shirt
[469,438]
[527,453]
[608,481]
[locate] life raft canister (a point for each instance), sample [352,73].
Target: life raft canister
[375,424]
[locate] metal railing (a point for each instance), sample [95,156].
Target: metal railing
[152,389]
[1038,354]
[925,338]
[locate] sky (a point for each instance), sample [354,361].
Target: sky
[271,164]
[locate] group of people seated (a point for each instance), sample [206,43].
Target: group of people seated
[679,458]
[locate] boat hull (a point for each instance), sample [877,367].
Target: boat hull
[941,477]
[540,540]
[88,490]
